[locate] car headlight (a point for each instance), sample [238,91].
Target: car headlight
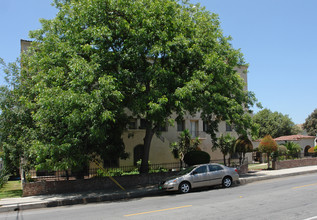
[171,181]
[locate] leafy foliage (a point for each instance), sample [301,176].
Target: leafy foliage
[196,157]
[242,146]
[282,150]
[4,177]
[311,123]
[97,58]
[274,123]
[293,149]
[15,120]
[185,145]
[226,144]
[268,145]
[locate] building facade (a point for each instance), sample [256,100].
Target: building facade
[160,151]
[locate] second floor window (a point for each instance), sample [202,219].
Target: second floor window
[132,124]
[228,127]
[142,124]
[205,126]
[194,128]
[181,125]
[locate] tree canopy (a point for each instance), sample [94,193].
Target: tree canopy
[242,146]
[268,145]
[311,123]
[97,58]
[274,123]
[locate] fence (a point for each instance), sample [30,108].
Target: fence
[60,175]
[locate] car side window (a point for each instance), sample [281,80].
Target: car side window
[202,169]
[213,168]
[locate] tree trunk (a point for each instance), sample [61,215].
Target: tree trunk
[224,160]
[147,144]
[240,158]
[268,161]
[243,158]
[229,160]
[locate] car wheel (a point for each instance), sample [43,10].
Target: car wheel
[184,187]
[227,182]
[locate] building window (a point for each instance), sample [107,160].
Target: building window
[228,127]
[205,126]
[142,124]
[181,125]
[194,128]
[132,124]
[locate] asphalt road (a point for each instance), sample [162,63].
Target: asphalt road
[285,198]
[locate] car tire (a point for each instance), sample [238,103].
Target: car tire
[227,182]
[184,187]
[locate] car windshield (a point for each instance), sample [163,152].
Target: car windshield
[185,171]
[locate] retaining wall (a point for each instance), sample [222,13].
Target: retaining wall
[56,187]
[284,164]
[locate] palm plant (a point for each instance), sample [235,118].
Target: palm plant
[226,145]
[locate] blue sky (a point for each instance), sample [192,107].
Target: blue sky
[277,38]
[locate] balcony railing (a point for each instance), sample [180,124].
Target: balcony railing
[199,134]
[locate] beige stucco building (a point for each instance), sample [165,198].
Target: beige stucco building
[160,150]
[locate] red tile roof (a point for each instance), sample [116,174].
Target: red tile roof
[293,138]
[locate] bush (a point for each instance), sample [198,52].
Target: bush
[196,157]
[294,149]
[4,177]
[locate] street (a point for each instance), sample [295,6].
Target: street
[285,198]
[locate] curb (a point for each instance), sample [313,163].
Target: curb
[126,195]
[246,180]
[76,201]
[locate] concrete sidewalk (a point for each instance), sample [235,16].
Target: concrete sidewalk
[44,201]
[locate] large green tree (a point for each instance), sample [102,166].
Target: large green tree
[173,57]
[274,123]
[311,123]
[15,120]
[68,92]
[99,57]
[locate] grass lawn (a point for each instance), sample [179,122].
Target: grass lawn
[257,166]
[11,189]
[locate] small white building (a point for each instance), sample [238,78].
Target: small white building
[306,142]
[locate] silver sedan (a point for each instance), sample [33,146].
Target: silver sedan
[200,176]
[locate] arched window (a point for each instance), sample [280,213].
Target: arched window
[138,153]
[306,151]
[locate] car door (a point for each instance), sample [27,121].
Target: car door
[199,176]
[215,174]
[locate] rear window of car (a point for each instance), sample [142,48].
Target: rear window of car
[213,168]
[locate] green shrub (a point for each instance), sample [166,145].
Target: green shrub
[196,157]
[294,149]
[101,173]
[4,177]
[158,170]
